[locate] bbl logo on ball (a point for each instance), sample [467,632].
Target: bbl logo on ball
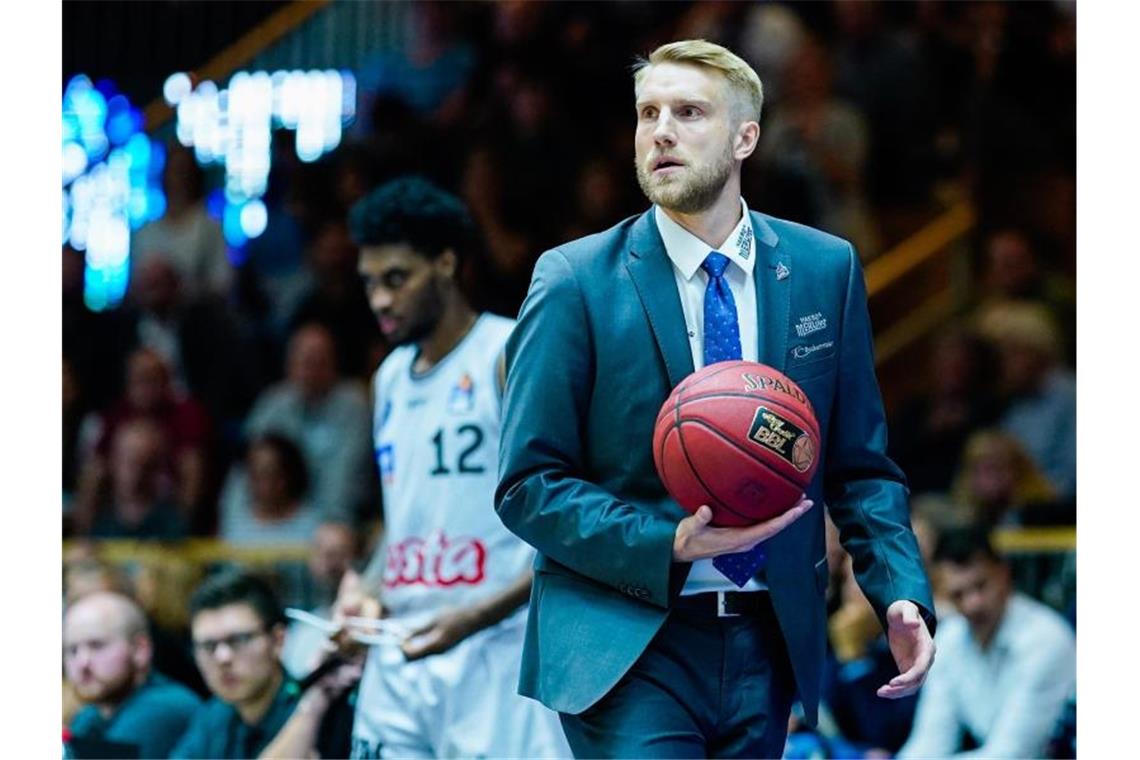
[782,438]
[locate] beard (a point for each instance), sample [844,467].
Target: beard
[107,692]
[424,318]
[692,194]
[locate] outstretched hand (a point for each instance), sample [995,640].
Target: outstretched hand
[912,647]
[696,539]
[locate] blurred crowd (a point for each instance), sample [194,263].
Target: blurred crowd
[227,396]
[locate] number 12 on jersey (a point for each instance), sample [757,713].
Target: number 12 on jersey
[470,438]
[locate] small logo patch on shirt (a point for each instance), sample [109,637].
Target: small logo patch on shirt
[744,242]
[462,398]
[803,352]
[810,323]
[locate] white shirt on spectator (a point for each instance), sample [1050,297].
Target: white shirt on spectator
[1008,696]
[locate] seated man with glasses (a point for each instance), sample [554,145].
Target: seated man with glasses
[238,629]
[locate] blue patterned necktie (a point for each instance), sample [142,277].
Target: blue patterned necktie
[722,343]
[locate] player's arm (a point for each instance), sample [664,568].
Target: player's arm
[865,491]
[452,626]
[298,737]
[545,494]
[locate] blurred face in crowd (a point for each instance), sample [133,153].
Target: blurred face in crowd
[952,366]
[333,553]
[268,481]
[137,460]
[1012,267]
[407,291]
[979,590]
[1023,366]
[106,650]
[993,475]
[238,657]
[688,142]
[148,381]
[312,362]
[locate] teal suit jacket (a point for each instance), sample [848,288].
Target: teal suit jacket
[600,343]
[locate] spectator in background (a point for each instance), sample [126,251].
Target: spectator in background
[107,657]
[823,139]
[1001,485]
[238,631]
[209,355]
[1013,271]
[1041,411]
[927,435]
[336,548]
[186,235]
[263,504]
[1005,665]
[142,505]
[332,297]
[151,395]
[327,417]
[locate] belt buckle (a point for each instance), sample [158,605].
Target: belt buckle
[722,605]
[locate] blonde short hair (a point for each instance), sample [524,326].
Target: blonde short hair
[743,82]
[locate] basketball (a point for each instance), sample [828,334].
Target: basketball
[738,436]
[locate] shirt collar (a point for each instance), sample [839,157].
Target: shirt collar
[688,252]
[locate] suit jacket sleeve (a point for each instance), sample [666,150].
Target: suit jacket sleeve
[865,491]
[546,494]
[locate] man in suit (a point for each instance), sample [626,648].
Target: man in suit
[636,634]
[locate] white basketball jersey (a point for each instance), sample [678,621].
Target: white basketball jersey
[436,439]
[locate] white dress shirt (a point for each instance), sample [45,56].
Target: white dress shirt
[688,252]
[1009,695]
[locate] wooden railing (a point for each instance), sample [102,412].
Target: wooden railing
[913,290]
[206,551]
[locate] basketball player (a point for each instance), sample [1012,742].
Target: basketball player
[651,632]
[449,574]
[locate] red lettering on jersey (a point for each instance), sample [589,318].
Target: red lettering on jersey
[435,561]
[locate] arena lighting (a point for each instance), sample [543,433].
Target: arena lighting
[176,87]
[234,126]
[254,218]
[110,184]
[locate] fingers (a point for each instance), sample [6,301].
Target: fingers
[909,682]
[769,528]
[703,516]
[416,647]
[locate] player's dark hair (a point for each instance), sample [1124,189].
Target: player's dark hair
[291,459]
[412,211]
[963,545]
[237,587]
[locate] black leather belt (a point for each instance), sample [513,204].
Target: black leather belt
[725,603]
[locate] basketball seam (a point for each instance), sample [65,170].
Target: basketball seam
[727,367]
[742,450]
[765,399]
[697,475]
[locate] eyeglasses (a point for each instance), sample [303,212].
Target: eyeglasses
[235,642]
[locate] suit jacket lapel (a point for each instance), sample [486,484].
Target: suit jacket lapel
[652,273]
[773,294]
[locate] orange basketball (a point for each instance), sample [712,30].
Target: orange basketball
[740,437]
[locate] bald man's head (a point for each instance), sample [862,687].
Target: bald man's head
[106,648]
